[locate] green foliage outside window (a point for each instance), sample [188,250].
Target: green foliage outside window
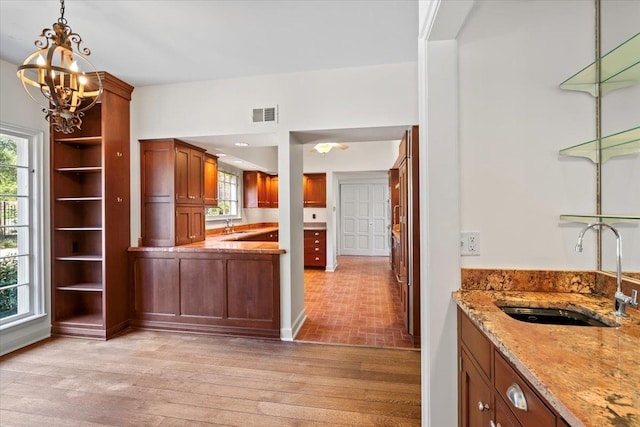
[8,297]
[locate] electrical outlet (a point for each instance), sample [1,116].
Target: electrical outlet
[469,243]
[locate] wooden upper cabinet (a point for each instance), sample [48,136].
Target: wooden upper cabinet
[315,190]
[171,178]
[189,175]
[273,190]
[257,190]
[210,180]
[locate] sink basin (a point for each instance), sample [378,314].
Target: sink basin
[551,316]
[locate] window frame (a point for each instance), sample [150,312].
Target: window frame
[36,254]
[239,194]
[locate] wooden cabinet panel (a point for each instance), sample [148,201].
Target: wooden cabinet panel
[210,181]
[477,343]
[206,292]
[537,414]
[257,190]
[189,224]
[90,219]
[273,191]
[156,279]
[315,190]
[172,181]
[250,288]
[503,417]
[202,289]
[475,396]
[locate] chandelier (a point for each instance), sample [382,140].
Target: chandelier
[53,76]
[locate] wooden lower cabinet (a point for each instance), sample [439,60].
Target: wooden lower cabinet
[484,378]
[189,224]
[315,248]
[209,292]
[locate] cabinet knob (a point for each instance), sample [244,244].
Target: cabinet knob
[119,199]
[317,234]
[317,241]
[492,424]
[516,397]
[317,259]
[483,406]
[118,154]
[317,249]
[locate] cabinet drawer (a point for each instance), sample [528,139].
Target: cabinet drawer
[537,414]
[315,260]
[477,343]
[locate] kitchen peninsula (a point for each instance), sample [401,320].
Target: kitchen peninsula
[226,284]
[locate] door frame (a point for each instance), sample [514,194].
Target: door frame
[372,177]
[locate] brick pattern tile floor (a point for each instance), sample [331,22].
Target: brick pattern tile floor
[357,304]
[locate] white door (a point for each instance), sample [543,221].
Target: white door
[364,219]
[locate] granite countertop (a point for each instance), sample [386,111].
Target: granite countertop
[224,243]
[590,375]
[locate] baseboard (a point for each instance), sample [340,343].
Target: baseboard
[27,336]
[288,334]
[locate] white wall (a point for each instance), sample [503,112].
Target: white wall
[514,119]
[16,108]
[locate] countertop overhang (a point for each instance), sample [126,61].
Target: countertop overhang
[590,375]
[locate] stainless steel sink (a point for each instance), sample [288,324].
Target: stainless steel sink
[552,316]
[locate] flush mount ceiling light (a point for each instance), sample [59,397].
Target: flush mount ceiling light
[241,144]
[325,147]
[64,82]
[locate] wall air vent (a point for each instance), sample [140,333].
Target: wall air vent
[265,115]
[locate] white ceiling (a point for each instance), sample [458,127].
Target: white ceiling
[146,42]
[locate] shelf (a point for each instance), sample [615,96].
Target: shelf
[619,68]
[618,144]
[92,258]
[82,287]
[89,140]
[606,218]
[85,169]
[94,319]
[78,199]
[78,228]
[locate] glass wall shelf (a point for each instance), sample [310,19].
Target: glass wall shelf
[606,218]
[619,68]
[618,144]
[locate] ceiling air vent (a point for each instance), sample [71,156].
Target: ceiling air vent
[265,115]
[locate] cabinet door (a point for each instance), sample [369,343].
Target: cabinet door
[210,181]
[196,177]
[475,396]
[183,225]
[315,190]
[273,191]
[182,174]
[263,191]
[250,189]
[196,224]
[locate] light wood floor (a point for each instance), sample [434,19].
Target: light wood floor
[148,378]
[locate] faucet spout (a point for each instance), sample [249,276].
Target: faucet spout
[620,300]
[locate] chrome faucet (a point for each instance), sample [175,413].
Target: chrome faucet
[228,227]
[620,301]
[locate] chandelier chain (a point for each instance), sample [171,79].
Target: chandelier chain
[62,20]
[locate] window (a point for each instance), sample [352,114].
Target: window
[228,189]
[21,288]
